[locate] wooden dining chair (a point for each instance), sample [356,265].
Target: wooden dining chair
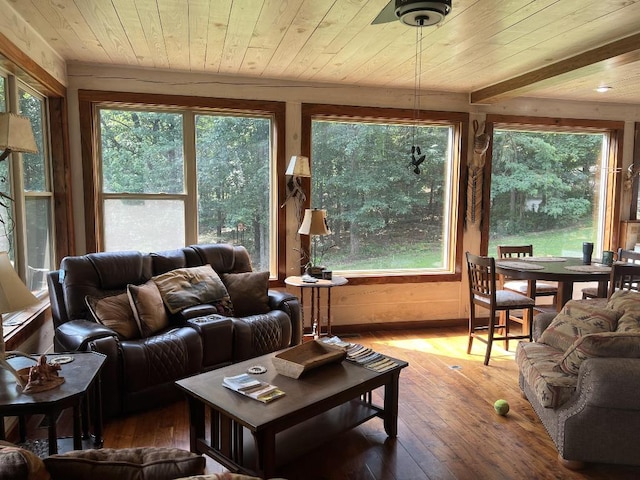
[626,256]
[624,276]
[483,292]
[543,288]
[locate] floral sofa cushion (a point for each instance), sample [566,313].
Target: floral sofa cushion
[608,344]
[573,322]
[628,304]
[539,365]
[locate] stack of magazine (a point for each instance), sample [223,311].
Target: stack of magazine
[249,386]
[364,356]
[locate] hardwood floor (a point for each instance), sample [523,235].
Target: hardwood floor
[447,427]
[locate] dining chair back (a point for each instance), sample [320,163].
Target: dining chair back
[531,288]
[624,276]
[623,257]
[483,292]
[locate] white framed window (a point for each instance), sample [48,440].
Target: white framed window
[170,177]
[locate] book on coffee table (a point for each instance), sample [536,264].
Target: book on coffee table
[253,388]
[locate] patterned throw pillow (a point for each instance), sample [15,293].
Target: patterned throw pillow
[187,287]
[19,463]
[566,329]
[124,463]
[148,308]
[608,344]
[628,303]
[248,292]
[115,313]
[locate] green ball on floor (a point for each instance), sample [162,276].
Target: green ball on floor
[501,406]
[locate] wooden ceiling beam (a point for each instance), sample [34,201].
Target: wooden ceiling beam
[615,54]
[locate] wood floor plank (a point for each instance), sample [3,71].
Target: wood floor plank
[447,428]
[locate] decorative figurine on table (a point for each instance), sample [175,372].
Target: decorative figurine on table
[43,376]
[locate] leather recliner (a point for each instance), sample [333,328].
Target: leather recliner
[140,374]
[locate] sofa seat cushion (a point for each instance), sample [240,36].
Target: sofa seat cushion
[186,287]
[608,344]
[143,463]
[574,322]
[538,364]
[19,464]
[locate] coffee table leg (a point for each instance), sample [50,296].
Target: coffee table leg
[77,428]
[265,442]
[391,392]
[196,423]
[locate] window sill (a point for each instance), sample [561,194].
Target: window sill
[24,324]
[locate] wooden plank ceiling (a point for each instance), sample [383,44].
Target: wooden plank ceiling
[489,49]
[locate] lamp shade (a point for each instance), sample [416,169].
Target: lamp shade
[14,295]
[314,222]
[16,133]
[299,166]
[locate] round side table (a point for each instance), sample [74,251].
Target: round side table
[316,289]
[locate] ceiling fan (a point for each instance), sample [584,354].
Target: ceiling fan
[414,13]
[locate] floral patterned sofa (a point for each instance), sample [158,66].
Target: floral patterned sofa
[582,378]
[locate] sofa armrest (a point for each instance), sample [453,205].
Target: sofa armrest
[290,305]
[610,382]
[540,323]
[77,334]
[216,333]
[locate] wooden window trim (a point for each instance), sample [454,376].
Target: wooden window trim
[615,130]
[89,100]
[328,111]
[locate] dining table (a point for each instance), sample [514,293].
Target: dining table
[564,270]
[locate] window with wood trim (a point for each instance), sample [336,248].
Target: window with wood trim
[26,207]
[553,184]
[389,183]
[170,172]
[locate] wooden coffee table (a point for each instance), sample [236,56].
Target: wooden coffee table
[250,437]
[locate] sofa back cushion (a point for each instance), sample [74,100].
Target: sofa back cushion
[99,275]
[572,323]
[628,303]
[607,344]
[158,463]
[223,258]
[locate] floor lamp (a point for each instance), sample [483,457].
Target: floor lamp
[14,295]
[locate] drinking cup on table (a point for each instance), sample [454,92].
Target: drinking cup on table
[608,257]
[587,252]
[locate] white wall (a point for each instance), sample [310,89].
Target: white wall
[350,304]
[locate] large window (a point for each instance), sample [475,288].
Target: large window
[26,203]
[170,177]
[390,213]
[552,188]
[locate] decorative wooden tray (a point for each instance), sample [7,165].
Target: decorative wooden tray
[302,358]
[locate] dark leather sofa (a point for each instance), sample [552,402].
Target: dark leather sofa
[140,373]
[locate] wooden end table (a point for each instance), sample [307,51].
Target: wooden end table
[80,391]
[316,288]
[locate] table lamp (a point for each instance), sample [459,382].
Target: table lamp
[314,224]
[16,135]
[14,295]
